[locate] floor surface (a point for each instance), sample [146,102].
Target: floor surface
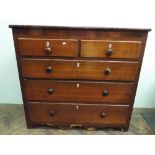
[150,119]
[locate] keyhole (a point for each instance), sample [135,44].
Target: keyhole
[77,85]
[64,43]
[78,64]
[77,107]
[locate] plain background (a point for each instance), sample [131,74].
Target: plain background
[110,13]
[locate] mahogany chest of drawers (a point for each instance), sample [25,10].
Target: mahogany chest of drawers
[78,76]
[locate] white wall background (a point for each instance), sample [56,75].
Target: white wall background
[109,13]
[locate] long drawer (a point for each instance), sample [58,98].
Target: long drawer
[79,69]
[77,113]
[110,49]
[69,91]
[48,47]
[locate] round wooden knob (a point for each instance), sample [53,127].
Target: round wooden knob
[107,71]
[103,115]
[50,91]
[49,69]
[52,113]
[109,52]
[105,93]
[48,50]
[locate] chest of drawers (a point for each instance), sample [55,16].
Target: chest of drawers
[78,76]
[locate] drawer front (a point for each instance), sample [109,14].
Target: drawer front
[69,91]
[110,49]
[48,47]
[77,113]
[68,69]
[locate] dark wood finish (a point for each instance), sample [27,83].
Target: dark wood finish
[75,28]
[60,91]
[81,34]
[77,113]
[87,65]
[117,49]
[90,70]
[48,47]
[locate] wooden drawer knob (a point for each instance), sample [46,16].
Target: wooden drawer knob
[103,115]
[49,69]
[105,93]
[109,52]
[48,50]
[52,113]
[50,91]
[107,71]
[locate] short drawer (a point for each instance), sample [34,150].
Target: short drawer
[74,69]
[77,113]
[110,49]
[69,91]
[48,47]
